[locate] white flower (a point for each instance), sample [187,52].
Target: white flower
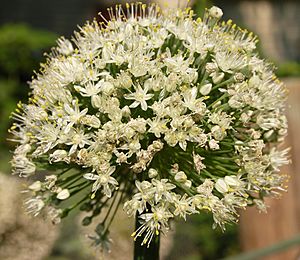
[183,206]
[230,61]
[278,158]
[140,97]
[153,223]
[73,114]
[213,144]
[34,205]
[206,187]
[198,162]
[158,126]
[23,166]
[64,46]
[162,187]
[77,139]
[192,103]
[90,89]
[104,180]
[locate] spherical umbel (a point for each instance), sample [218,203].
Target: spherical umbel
[169,114]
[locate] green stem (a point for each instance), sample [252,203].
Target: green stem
[219,99]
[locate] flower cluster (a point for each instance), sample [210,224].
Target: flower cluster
[169,114]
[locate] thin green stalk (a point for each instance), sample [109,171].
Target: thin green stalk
[79,189]
[77,178]
[114,213]
[219,99]
[222,83]
[110,208]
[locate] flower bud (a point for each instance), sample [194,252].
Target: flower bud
[126,111]
[232,180]
[239,77]
[96,101]
[217,77]
[58,155]
[205,89]
[215,12]
[63,194]
[158,145]
[107,88]
[211,67]
[36,186]
[187,184]
[221,186]
[152,173]
[180,176]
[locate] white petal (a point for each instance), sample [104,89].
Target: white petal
[91,176]
[221,186]
[134,104]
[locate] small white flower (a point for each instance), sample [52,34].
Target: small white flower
[64,46]
[90,89]
[104,180]
[73,114]
[213,144]
[198,162]
[77,139]
[35,205]
[206,187]
[140,97]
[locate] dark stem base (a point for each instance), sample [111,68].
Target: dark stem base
[143,252]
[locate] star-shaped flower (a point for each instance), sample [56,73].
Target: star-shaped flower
[140,97]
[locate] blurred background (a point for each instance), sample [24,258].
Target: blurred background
[29,28]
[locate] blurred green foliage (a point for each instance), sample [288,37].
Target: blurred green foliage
[288,69]
[200,6]
[21,49]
